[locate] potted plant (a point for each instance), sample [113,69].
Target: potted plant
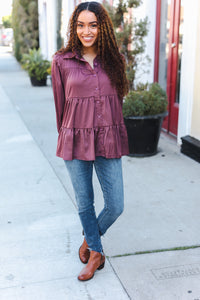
[144,110]
[145,106]
[49,73]
[36,66]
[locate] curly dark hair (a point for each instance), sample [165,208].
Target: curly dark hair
[111,60]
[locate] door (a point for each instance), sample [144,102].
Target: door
[169,36]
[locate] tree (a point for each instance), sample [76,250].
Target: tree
[25,26]
[130,36]
[7,21]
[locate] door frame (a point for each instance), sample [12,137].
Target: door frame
[170,123]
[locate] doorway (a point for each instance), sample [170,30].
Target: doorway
[168,55]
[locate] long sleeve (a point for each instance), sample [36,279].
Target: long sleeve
[58,90]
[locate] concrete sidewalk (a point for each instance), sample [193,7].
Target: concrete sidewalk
[40,229]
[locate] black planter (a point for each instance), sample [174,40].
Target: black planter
[143,134]
[36,82]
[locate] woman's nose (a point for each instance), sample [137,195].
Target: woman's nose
[86,29]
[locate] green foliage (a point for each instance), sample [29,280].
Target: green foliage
[7,21]
[147,99]
[134,3]
[25,26]
[34,63]
[130,37]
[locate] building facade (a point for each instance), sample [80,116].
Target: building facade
[173,44]
[176,65]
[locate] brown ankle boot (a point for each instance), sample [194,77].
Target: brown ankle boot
[96,262]
[84,252]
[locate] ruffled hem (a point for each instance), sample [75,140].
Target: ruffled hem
[87,143]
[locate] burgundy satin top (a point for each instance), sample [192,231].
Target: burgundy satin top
[88,111]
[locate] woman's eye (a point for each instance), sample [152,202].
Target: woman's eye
[92,26]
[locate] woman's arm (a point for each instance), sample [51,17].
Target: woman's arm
[58,90]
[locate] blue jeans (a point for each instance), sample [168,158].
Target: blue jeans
[109,173]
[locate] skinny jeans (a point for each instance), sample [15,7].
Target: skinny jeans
[109,173]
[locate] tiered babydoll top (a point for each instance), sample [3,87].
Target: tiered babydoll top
[88,110]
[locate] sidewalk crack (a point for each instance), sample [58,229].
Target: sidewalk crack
[182,248]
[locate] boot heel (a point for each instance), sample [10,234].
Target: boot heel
[101,266]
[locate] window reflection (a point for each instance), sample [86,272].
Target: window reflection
[180,50]
[164,42]
[164,45]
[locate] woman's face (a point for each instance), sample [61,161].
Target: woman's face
[87,28]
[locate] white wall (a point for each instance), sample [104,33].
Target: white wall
[191,14]
[47,27]
[67,9]
[195,126]
[148,8]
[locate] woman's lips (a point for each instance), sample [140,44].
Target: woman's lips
[87,38]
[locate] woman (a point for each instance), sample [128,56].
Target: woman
[89,83]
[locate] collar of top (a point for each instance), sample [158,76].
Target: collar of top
[69,55]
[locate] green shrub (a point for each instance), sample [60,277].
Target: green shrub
[148,99]
[25,26]
[7,21]
[34,63]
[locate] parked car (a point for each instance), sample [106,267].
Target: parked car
[7,37]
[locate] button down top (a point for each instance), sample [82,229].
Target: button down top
[88,111]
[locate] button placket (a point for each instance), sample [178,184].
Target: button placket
[99,113]
[96,84]
[98,103]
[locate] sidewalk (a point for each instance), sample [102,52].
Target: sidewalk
[40,229]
